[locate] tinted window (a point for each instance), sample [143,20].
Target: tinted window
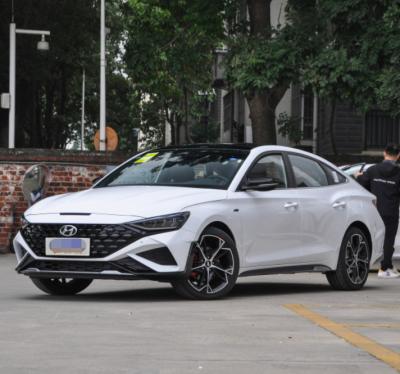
[307,172]
[270,166]
[204,168]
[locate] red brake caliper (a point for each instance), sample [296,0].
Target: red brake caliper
[194,274]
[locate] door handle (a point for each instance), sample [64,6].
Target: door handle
[289,205]
[339,204]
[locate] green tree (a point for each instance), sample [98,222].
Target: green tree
[49,85]
[169,46]
[347,65]
[264,59]
[388,77]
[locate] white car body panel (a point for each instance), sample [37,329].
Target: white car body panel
[137,201]
[267,234]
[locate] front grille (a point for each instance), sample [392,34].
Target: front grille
[127,266]
[104,239]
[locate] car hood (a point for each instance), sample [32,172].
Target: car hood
[137,201]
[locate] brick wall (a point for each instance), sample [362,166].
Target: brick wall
[66,172]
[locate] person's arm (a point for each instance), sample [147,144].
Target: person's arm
[364,179]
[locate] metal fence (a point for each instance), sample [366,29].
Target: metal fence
[381,129]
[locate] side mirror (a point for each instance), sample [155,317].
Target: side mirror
[259,184]
[34,184]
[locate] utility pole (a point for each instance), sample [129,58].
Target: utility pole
[102,78]
[11,112]
[83,110]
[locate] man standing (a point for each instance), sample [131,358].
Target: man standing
[383,180]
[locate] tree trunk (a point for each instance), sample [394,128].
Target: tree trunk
[262,119]
[178,127]
[262,103]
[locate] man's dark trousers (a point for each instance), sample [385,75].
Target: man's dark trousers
[391,225]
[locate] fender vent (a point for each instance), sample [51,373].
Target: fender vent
[161,256]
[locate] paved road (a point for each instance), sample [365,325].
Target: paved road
[142,327]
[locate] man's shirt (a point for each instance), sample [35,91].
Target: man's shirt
[383,180]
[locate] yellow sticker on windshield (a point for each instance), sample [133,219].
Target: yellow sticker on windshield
[145,158]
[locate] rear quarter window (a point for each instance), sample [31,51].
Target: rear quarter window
[334,177]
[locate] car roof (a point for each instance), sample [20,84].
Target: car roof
[228,146]
[254,148]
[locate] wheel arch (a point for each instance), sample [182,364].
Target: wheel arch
[222,226]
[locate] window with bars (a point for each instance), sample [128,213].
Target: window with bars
[381,129]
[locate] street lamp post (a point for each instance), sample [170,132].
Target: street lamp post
[83,110]
[42,45]
[102,78]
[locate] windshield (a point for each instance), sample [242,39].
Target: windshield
[202,168]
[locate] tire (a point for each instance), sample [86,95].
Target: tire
[213,267]
[353,263]
[61,286]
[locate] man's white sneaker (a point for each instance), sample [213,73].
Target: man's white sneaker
[388,273]
[396,271]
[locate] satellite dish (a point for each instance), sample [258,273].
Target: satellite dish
[111,139]
[34,183]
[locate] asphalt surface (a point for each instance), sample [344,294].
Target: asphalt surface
[143,327]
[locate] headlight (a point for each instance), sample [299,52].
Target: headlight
[162,223]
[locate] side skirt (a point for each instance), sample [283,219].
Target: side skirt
[287,270]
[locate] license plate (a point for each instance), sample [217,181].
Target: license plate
[67,247]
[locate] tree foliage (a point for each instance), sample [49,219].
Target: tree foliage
[266,55]
[160,56]
[387,88]
[356,60]
[169,53]
[49,84]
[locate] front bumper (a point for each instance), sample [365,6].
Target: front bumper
[127,269]
[160,257]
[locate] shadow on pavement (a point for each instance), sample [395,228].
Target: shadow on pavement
[167,294]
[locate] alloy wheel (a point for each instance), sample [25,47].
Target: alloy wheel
[212,266]
[357,259]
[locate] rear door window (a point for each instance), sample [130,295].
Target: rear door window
[307,172]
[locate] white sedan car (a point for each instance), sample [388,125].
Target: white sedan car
[200,216]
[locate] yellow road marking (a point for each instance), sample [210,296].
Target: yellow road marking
[373,348]
[375,325]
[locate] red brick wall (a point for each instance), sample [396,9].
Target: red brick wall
[65,174]
[61,179]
